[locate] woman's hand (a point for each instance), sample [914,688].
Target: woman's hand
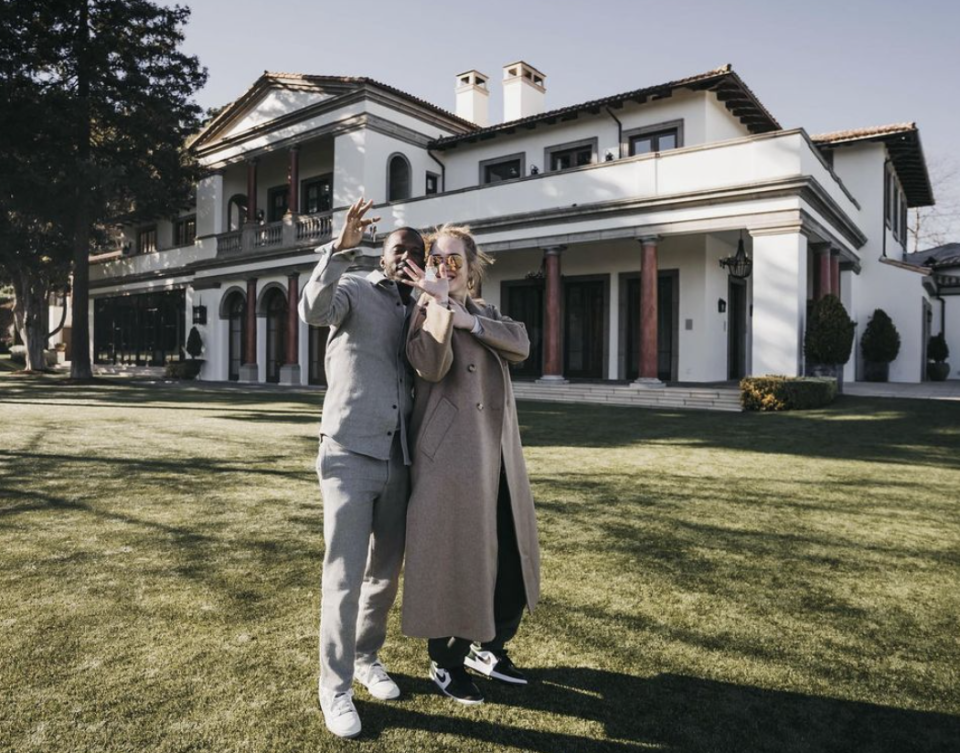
[462,319]
[354,225]
[438,288]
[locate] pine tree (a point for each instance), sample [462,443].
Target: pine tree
[111,92]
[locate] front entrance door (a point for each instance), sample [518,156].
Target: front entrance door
[238,328]
[737,329]
[666,326]
[276,306]
[584,315]
[523,302]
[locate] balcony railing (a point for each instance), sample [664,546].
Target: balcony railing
[291,232]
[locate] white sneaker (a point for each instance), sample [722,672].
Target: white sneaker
[340,714]
[376,680]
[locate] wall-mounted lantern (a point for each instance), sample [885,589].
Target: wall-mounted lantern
[199,314]
[722,306]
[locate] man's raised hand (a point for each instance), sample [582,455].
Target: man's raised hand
[354,225]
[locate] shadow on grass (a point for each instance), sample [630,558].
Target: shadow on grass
[919,432]
[678,713]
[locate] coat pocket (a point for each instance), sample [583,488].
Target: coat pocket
[437,427]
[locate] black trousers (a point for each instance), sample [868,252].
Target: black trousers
[509,596]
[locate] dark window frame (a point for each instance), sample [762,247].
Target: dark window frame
[147,230]
[656,129]
[182,223]
[273,192]
[436,178]
[390,163]
[493,162]
[304,186]
[573,146]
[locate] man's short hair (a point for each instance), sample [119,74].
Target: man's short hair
[405,229]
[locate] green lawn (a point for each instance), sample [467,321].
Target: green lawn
[712,582]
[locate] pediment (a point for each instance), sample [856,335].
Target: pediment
[269,100]
[273,105]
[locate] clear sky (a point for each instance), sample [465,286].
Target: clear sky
[821,65]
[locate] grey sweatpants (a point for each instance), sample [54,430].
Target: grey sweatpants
[364,529]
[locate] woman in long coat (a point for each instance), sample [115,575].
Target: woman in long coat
[472,557]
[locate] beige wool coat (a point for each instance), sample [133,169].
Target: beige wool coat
[464,420]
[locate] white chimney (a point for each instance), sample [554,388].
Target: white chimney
[473,98]
[524,92]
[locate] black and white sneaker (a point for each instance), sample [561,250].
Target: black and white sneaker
[496,665]
[456,683]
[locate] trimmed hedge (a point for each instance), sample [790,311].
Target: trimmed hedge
[768,393]
[183,369]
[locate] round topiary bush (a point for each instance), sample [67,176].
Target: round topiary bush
[937,349]
[194,343]
[881,341]
[829,335]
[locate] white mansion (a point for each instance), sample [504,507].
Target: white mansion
[607,219]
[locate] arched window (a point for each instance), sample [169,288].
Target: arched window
[398,178]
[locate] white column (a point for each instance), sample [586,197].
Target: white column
[211,205]
[848,296]
[613,365]
[304,345]
[261,348]
[779,301]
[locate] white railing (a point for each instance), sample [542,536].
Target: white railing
[290,232]
[314,227]
[268,235]
[229,243]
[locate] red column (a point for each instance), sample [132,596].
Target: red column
[250,351]
[252,191]
[293,321]
[648,309]
[552,365]
[825,286]
[835,273]
[293,181]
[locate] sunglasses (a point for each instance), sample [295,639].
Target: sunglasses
[454,261]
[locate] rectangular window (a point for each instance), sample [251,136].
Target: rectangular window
[433,184]
[903,222]
[316,195]
[886,197]
[658,141]
[184,231]
[565,156]
[277,203]
[147,240]
[502,168]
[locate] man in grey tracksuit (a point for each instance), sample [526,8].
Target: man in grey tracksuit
[363,460]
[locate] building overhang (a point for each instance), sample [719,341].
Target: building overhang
[906,153]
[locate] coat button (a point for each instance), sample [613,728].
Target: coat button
[471,368]
[389,433]
[479,406]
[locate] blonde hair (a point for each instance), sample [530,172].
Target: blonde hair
[477,260]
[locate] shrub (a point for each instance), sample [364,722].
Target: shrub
[829,336]
[194,343]
[937,348]
[881,341]
[770,393]
[182,369]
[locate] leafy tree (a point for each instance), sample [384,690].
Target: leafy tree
[103,84]
[829,335]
